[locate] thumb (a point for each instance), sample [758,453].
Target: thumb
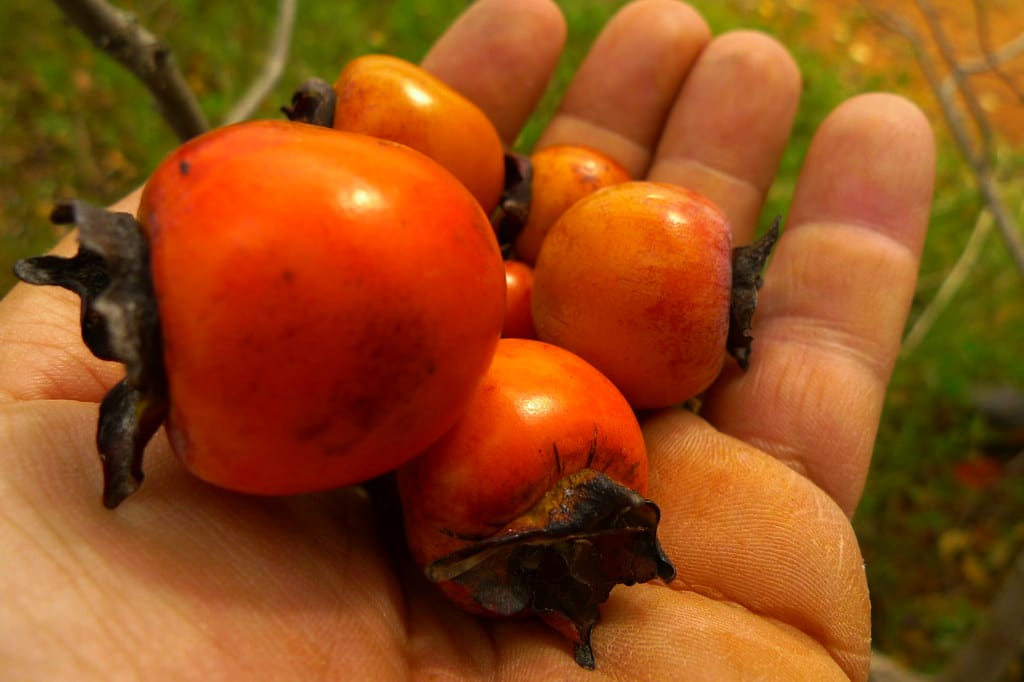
[42,355]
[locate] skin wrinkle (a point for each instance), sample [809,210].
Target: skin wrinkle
[76,577]
[740,198]
[50,379]
[810,335]
[711,465]
[632,155]
[687,630]
[53,327]
[776,437]
[815,336]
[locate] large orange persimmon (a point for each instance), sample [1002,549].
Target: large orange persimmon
[305,307]
[312,287]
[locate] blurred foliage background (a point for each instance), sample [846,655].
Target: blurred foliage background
[941,519]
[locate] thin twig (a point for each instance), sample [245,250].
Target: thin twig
[121,36]
[1008,51]
[979,164]
[984,155]
[985,41]
[951,284]
[277,57]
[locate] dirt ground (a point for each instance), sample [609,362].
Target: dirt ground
[969,35]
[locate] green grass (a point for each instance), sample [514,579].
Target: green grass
[73,123]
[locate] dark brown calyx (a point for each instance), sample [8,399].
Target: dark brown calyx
[110,273]
[747,267]
[314,102]
[513,209]
[561,559]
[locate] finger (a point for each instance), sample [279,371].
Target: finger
[500,54]
[728,128]
[836,297]
[743,529]
[622,93]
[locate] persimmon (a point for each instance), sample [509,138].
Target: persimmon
[532,503]
[390,98]
[562,175]
[636,278]
[293,299]
[518,295]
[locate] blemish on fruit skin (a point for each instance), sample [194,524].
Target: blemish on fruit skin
[348,403]
[184,167]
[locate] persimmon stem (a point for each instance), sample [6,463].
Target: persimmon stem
[111,275]
[513,209]
[561,559]
[313,102]
[747,267]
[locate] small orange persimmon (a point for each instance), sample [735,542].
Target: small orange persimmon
[518,294]
[636,279]
[390,98]
[562,175]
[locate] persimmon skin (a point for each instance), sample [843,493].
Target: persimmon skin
[312,287]
[636,279]
[518,296]
[562,175]
[541,413]
[390,98]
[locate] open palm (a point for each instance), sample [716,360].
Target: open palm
[185,581]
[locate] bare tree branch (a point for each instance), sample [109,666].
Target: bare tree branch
[1003,54]
[978,161]
[119,35]
[277,57]
[982,156]
[985,41]
[1008,51]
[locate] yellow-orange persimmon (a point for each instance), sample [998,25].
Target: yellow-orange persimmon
[636,279]
[562,175]
[390,98]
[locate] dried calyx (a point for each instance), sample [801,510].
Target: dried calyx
[313,102]
[510,216]
[561,559]
[110,273]
[747,267]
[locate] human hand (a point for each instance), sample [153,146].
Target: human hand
[186,581]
